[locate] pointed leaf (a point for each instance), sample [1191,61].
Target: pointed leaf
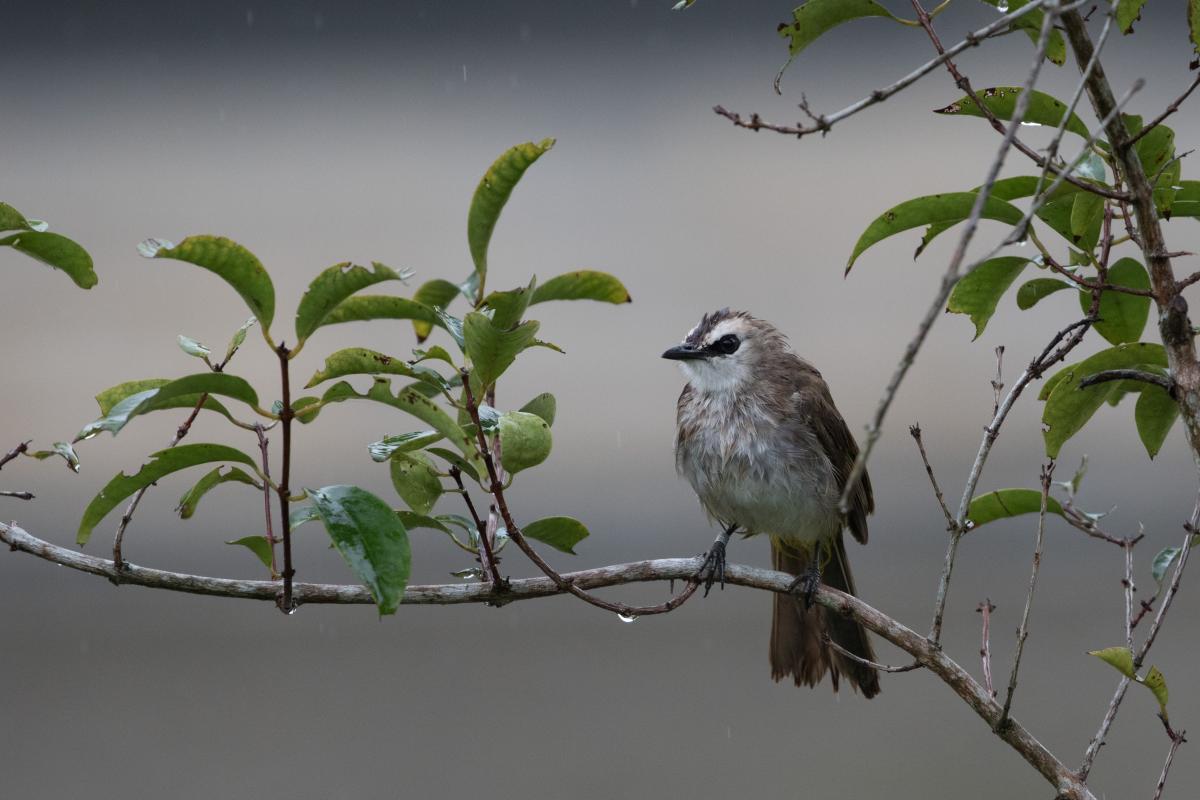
[193,348]
[257,545]
[437,353]
[978,292]
[171,394]
[814,18]
[492,349]
[1087,210]
[436,293]
[456,460]
[1156,683]
[372,539]
[361,361]
[1002,102]
[951,208]
[509,307]
[525,441]
[236,265]
[60,449]
[1005,503]
[1118,657]
[583,284]
[1032,292]
[13,220]
[416,481]
[491,195]
[1122,316]
[362,308]
[239,336]
[1129,12]
[331,287]
[1154,415]
[544,406]
[561,533]
[56,251]
[162,463]
[187,503]
[413,521]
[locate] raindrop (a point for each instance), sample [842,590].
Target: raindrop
[464,73]
[1002,6]
[1031,124]
[249,17]
[291,610]
[630,618]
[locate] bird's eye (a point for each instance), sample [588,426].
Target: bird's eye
[726,344]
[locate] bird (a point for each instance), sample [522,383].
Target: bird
[761,442]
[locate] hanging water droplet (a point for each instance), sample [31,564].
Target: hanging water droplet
[291,610]
[630,618]
[1002,6]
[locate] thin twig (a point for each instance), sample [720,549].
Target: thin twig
[998,383]
[1171,109]
[263,448]
[20,449]
[915,431]
[985,648]
[867,662]
[1177,738]
[1023,631]
[489,568]
[18,495]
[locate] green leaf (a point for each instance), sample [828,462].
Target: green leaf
[172,394]
[815,17]
[363,308]
[385,448]
[1087,210]
[492,349]
[60,449]
[1002,102]
[239,336]
[236,265]
[257,545]
[162,463]
[978,292]
[13,220]
[1060,214]
[1193,13]
[412,521]
[456,460]
[109,398]
[1068,408]
[544,406]
[193,348]
[1031,24]
[187,503]
[1129,12]
[436,293]
[1005,503]
[361,361]
[1154,415]
[561,533]
[933,209]
[509,307]
[372,539]
[416,481]
[1122,316]
[331,287]
[437,353]
[1163,562]
[1156,683]
[56,251]
[1119,658]
[583,284]
[491,195]
[524,441]
[454,327]
[1032,292]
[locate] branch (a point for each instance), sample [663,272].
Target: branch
[985,650]
[929,655]
[1171,109]
[1129,375]
[16,451]
[18,495]
[1177,738]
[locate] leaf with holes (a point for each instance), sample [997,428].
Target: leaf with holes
[814,18]
[1002,102]
[1129,12]
[236,265]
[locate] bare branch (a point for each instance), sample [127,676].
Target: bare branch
[18,495]
[1177,738]
[915,431]
[20,449]
[985,648]
[867,662]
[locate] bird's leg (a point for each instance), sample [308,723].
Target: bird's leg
[712,570]
[808,581]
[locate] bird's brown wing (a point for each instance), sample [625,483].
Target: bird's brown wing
[815,404]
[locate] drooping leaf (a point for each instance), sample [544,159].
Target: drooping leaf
[583,284]
[525,441]
[161,464]
[1129,12]
[435,353]
[813,18]
[372,539]
[236,265]
[492,349]
[491,195]
[1119,658]
[509,307]
[331,287]
[257,545]
[415,480]
[454,327]
[193,348]
[1166,559]
[1122,316]
[1154,415]
[1156,683]
[187,504]
[1032,292]
[946,208]
[172,394]
[361,361]
[1002,102]
[436,293]
[1068,407]
[544,406]
[362,308]
[63,449]
[978,292]
[13,220]
[1031,24]
[56,251]
[561,533]
[1005,503]
[386,447]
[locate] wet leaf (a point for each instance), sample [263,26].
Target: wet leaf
[56,251]
[361,361]
[492,194]
[525,441]
[1118,657]
[187,504]
[1122,316]
[561,533]
[1005,503]
[236,265]
[372,539]
[544,406]
[492,349]
[978,292]
[161,464]
[1002,102]
[388,446]
[331,287]
[1032,292]
[257,545]
[584,284]
[416,481]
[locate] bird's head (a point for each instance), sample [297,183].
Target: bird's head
[726,350]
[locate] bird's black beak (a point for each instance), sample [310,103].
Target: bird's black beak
[684,352]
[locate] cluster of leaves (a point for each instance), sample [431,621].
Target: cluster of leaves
[371,535]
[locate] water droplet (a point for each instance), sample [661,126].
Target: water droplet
[630,618]
[1023,243]
[1032,124]
[249,17]
[291,610]
[1002,6]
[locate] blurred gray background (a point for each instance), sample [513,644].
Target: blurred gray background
[320,132]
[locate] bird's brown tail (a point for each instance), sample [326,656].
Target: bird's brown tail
[797,634]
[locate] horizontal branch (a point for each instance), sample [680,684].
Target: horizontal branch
[924,651]
[1129,375]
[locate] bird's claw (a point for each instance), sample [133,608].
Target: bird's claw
[713,569]
[806,584]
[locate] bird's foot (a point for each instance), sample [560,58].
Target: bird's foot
[806,584]
[713,569]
